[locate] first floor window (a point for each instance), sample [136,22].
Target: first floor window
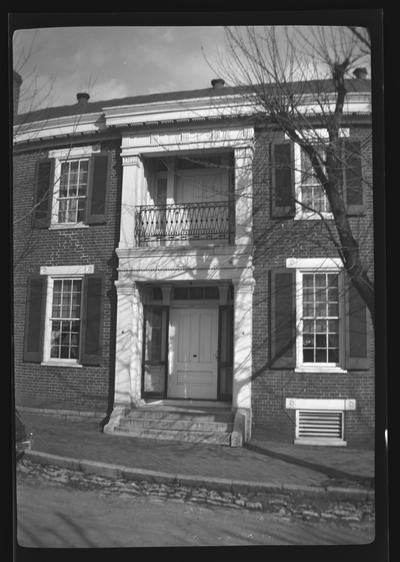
[320,318]
[66,319]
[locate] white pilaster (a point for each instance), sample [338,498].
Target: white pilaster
[133,188]
[242,330]
[136,345]
[124,339]
[243,195]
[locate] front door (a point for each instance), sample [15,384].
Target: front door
[193,348]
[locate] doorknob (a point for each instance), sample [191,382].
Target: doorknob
[194,355]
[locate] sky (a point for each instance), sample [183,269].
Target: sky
[112,62]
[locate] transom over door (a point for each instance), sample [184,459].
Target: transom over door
[193,348]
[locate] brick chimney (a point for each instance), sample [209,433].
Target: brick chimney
[82,98]
[17,81]
[360,73]
[217,83]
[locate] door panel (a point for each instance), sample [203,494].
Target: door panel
[193,347]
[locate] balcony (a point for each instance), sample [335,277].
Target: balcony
[213,221]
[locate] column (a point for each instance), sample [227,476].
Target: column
[243,195]
[137,347]
[124,340]
[133,189]
[242,334]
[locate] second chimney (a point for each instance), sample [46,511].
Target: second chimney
[360,73]
[217,83]
[82,98]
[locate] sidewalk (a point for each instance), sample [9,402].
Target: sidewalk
[262,462]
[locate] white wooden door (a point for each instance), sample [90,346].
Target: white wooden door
[193,348]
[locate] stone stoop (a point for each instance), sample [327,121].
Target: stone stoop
[194,424]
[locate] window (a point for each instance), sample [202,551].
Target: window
[72,193]
[320,318]
[311,193]
[319,313]
[65,319]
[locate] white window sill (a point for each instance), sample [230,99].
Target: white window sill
[65,226]
[320,441]
[313,216]
[61,364]
[320,369]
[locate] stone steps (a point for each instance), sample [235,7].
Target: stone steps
[192,423]
[205,437]
[177,424]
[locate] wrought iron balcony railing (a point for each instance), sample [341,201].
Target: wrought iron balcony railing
[188,221]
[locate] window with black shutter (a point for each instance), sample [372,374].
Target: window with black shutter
[283,318]
[34,319]
[282,179]
[43,193]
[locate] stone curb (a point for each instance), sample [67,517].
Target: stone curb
[224,484]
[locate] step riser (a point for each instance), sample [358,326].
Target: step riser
[187,425]
[169,435]
[169,416]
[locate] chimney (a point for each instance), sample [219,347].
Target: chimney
[217,83]
[360,73]
[17,81]
[82,98]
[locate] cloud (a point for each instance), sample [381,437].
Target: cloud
[109,89]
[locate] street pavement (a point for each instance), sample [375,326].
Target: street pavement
[53,515]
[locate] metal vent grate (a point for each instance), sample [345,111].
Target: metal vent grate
[325,424]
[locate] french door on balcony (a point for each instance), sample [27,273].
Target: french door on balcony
[193,353]
[200,197]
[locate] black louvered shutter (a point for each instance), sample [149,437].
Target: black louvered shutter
[283,319]
[353,177]
[43,193]
[98,185]
[34,319]
[282,179]
[356,330]
[92,319]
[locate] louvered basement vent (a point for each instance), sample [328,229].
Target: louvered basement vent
[320,426]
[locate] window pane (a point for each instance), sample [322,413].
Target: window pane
[308,356]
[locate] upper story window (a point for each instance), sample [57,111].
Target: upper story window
[296,191]
[72,194]
[312,200]
[71,188]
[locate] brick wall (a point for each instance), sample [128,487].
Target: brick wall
[67,387]
[274,241]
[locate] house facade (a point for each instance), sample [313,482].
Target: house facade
[159,260]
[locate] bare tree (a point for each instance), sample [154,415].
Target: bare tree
[296,80]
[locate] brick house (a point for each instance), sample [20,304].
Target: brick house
[162,264]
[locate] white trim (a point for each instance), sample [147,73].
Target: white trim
[73,152]
[314,263]
[61,363]
[320,369]
[322,441]
[69,270]
[68,225]
[321,404]
[320,133]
